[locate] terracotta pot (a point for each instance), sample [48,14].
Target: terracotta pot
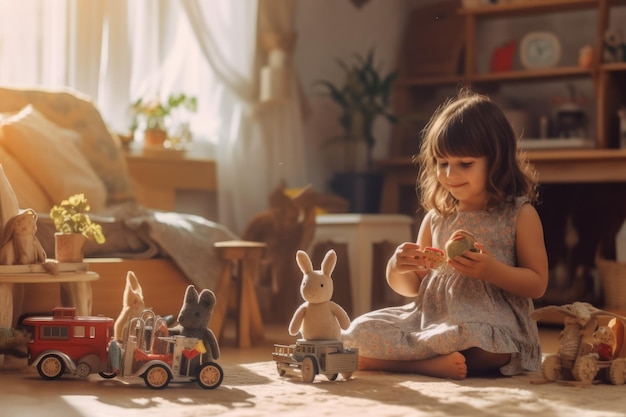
[154,137]
[69,247]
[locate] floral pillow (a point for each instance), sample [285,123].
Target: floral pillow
[51,157]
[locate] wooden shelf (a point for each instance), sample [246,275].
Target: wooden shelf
[608,79]
[553,166]
[521,75]
[529,8]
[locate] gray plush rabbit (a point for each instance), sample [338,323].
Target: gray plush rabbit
[318,318]
[193,320]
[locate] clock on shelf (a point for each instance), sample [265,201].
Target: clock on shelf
[539,50]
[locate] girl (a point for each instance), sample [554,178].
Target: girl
[471,315]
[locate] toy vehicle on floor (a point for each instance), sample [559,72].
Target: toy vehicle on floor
[64,343]
[582,359]
[161,359]
[312,357]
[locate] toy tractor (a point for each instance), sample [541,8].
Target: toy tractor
[579,361]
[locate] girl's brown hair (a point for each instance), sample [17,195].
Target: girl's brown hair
[472,125]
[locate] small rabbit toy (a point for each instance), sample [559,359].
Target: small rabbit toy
[318,318]
[132,305]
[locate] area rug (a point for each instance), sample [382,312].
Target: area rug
[256,389]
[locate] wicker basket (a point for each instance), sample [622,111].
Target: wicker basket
[613,278]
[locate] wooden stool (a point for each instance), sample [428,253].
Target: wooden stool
[246,257]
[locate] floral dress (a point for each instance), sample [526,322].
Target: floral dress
[454,312]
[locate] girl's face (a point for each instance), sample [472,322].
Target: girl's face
[466,179]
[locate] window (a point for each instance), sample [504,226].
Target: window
[79,331]
[55,332]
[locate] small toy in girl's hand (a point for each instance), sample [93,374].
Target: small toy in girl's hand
[433,257]
[459,242]
[318,317]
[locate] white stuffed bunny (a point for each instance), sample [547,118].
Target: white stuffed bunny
[318,318]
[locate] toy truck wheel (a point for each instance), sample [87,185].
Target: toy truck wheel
[281,368]
[157,377]
[346,375]
[309,369]
[551,368]
[51,367]
[83,370]
[107,375]
[332,377]
[617,371]
[210,375]
[585,369]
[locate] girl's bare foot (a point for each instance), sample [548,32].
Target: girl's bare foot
[451,366]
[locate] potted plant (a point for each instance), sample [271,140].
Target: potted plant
[363,96]
[153,113]
[73,226]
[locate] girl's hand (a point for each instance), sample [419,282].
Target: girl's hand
[408,257]
[474,264]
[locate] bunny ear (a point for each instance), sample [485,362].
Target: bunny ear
[191,295]
[304,262]
[328,264]
[133,283]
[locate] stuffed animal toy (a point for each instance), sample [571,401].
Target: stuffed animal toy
[604,340]
[13,342]
[20,245]
[132,305]
[193,320]
[318,318]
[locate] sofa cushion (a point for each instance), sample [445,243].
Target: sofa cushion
[51,157]
[29,194]
[70,109]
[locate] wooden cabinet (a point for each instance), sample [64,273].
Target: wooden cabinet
[419,94]
[608,79]
[174,181]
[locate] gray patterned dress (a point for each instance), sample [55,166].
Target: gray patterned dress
[454,312]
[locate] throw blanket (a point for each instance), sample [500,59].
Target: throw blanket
[136,232]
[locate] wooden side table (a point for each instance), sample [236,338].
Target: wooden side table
[75,286]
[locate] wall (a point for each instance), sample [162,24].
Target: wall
[332,29]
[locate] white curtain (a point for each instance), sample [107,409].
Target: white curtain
[119,50]
[260,145]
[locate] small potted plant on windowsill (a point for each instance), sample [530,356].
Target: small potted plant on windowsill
[73,226]
[152,114]
[363,97]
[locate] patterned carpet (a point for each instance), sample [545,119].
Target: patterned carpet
[255,389]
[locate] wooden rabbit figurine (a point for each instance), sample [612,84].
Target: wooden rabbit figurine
[318,318]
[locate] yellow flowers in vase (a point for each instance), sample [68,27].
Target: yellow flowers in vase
[71,217]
